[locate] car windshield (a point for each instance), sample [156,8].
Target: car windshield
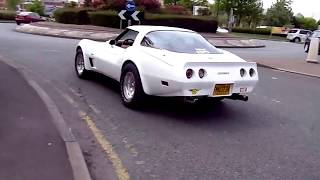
[180,42]
[293,31]
[316,34]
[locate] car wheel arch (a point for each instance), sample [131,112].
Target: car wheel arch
[86,63]
[143,82]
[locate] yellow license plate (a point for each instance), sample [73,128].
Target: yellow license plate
[221,89]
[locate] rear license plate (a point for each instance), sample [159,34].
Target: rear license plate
[221,89]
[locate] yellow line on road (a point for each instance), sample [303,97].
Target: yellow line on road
[121,172]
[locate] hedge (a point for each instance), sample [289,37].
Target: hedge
[72,16]
[111,19]
[105,18]
[7,15]
[264,31]
[196,23]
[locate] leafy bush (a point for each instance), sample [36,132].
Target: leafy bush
[105,18]
[71,4]
[7,15]
[72,16]
[174,9]
[263,31]
[196,23]
[150,4]
[36,7]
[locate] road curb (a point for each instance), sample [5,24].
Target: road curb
[47,33]
[287,70]
[57,36]
[247,47]
[77,162]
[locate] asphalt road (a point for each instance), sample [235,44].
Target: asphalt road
[275,135]
[274,50]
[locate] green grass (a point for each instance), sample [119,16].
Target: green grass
[259,36]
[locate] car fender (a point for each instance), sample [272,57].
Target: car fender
[151,69]
[86,46]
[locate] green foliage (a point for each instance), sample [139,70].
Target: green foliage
[264,31]
[12,4]
[105,18]
[174,9]
[87,3]
[111,19]
[36,7]
[196,23]
[279,14]
[187,3]
[305,22]
[72,16]
[249,11]
[7,15]
[71,4]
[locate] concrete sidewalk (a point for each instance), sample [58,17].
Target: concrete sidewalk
[103,33]
[31,147]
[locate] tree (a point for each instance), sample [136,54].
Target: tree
[304,22]
[36,7]
[249,10]
[87,3]
[319,22]
[280,13]
[12,4]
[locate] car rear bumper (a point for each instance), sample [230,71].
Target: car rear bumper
[175,88]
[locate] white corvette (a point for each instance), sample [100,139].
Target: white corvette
[167,61]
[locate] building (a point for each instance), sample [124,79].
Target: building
[2,4]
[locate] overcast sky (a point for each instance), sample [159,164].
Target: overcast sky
[309,8]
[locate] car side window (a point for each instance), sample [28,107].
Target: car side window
[127,34]
[126,38]
[304,32]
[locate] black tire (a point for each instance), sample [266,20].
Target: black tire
[84,73]
[138,95]
[296,40]
[18,23]
[306,48]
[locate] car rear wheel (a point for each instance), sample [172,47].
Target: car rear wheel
[132,93]
[79,65]
[296,40]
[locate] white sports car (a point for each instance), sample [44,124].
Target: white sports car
[167,61]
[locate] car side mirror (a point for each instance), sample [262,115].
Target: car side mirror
[112,42]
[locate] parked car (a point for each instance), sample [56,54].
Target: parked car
[28,17]
[315,34]
[298,35]
[167,62]
[222,30]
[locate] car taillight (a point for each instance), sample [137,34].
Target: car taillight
[189,73]
[242,72]
[252,72]
[201,73]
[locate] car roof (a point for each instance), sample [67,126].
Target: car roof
[300,29]
[146,29]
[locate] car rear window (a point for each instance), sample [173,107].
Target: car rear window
[293,31]
[180,42]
